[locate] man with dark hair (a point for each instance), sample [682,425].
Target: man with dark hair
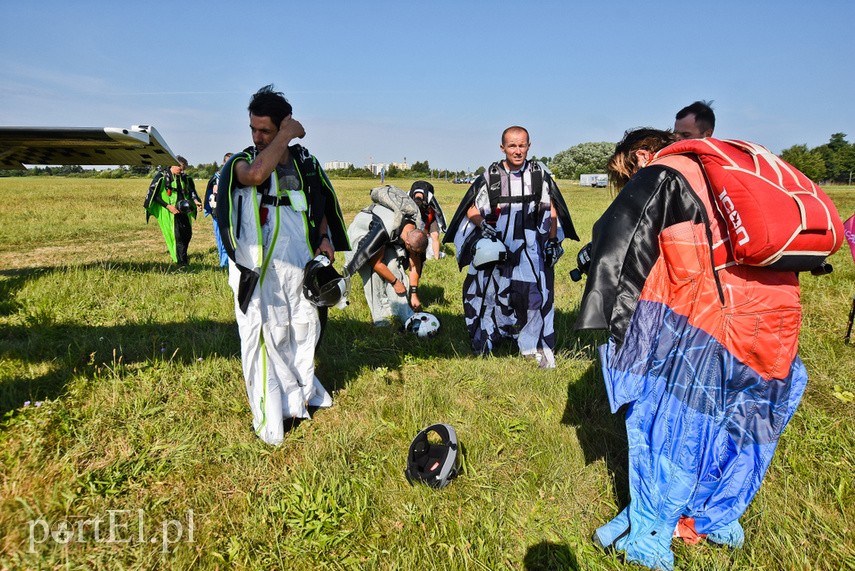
[276,210]
[431,219]
[508,229]
[695,121]
[172,200]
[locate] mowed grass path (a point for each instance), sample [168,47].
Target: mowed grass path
[125,437]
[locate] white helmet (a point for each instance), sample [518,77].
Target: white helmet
[323,286]
[422,324]
[488,252]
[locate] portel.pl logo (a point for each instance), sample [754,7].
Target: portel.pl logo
[117,526]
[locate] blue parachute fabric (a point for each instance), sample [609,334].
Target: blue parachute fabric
[702,429]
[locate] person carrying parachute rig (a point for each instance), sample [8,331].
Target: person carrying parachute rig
[388,254]
[276,210]
[173,201]
[508,229]
[703,328]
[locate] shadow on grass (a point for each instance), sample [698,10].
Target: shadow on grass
[75,350]
[350,346]
[432,297]
[601,434]
[68,350]
[548,556]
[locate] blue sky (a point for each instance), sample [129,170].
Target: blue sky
[434,80]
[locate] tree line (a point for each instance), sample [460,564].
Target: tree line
[419,169]
[201,171]
[833,162]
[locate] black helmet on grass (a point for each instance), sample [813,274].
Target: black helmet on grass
[434,463]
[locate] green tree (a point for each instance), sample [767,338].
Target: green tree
[582,158]
[839,157]
[350,172]
[70,169]
[809,161]
[421,167]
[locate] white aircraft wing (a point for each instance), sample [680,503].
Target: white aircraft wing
[139,145]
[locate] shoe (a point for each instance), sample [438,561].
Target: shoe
[731,535]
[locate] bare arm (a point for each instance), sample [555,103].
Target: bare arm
[474,215]
[384,272]
[415,276]
[553,222]
[266,161]
[325,247]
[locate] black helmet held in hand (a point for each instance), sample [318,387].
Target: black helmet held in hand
[184,206]
[323,286]
[583,263]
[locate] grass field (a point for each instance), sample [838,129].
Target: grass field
[126,441]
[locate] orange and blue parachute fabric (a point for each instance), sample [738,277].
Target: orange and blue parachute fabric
[703,360]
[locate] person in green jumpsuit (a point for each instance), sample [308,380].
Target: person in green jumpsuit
[173,201]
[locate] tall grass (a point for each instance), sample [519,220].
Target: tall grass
[142,418]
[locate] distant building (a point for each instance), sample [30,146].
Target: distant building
[375,168]
[333,165]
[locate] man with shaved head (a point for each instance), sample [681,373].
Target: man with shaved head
[508,229]
[388,254]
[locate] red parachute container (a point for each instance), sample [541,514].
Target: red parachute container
[776,216]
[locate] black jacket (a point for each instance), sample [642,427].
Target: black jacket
[625,245]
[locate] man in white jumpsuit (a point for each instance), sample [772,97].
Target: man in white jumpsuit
[282,211]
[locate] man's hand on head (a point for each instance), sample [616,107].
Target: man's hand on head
[293,129]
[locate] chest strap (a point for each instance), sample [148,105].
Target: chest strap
[269,200]
[498,196]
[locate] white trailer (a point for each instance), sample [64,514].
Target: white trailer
[594,180]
